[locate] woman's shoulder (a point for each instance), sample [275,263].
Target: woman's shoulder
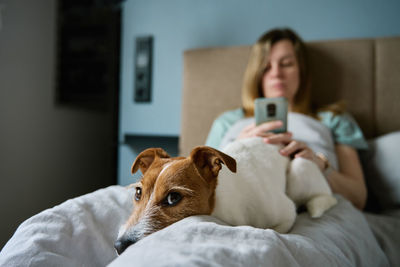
[329,117]
[232,115]
[221,125]
[344,128]
[342,120]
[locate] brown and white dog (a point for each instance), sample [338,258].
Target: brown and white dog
[260,188]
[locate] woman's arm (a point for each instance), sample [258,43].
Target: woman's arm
[349,180]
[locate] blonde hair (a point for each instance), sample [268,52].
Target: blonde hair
[258,60]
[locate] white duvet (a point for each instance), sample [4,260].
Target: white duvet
[81,232]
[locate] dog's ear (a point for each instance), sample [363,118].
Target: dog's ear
[146,158]
[208,161]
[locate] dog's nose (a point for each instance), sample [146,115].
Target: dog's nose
[122,243]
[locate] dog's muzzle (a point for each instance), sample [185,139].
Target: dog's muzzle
[123,243]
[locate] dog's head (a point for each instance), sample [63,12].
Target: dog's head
[171,189]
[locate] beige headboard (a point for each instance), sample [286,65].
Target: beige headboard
[363,72]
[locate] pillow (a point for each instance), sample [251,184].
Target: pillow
[382,171]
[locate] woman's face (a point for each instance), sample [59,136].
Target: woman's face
[282,75]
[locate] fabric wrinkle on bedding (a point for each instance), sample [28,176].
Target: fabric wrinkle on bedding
[193,241]
[262,246]
[77,232]
[82,231]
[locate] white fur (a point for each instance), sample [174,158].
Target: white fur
[165,167]
[143,227]
[256,194]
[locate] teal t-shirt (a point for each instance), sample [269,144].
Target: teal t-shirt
[344,128]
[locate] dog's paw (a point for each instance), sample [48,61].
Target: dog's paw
[317,205]
[284,227]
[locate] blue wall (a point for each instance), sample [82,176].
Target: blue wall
[178,25]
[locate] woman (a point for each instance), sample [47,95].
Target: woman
[277,68]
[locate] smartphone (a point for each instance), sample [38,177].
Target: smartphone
[271,109]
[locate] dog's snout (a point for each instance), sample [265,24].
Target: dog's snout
[123,243]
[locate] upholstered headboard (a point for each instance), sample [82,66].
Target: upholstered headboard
[363,72]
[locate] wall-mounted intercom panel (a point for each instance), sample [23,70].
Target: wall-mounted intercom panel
[143,67]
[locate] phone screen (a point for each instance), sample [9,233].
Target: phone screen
[271,109]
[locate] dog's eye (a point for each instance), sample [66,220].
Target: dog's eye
[172,199]
[138,193]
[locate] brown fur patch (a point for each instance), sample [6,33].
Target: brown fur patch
[194,178]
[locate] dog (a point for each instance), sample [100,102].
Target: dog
[258,187]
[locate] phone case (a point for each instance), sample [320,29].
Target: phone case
[271,109]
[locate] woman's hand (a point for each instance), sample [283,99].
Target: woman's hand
[293,148]
[348,180]
[262,130]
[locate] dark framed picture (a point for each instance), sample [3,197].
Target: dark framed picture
[88,51]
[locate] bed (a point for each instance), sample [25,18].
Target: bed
[364,72]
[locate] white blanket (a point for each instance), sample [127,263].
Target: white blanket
[341,238]
[81,232]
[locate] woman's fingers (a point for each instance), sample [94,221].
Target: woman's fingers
[247,131]
[269,126]
[282,138]
[293,147]
[306,153]
[249,127]
[262,130]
